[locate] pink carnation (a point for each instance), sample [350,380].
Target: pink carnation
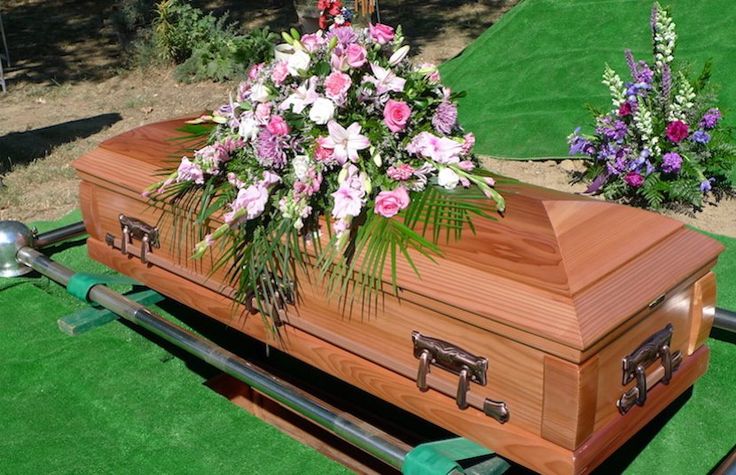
[337,85]
[254,71]
[312,42]
[400,172]
[381,33]
[280,72]
[395,115]
[389,203]
[356,55]
[677,131]
[277,125]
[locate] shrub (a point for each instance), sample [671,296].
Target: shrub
[206,47]
[662,143]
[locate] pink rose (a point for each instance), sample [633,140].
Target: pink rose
[312,42]
[280,72]
[277,125]
[356,55]
[263,112]
[395,115]
[677,131]
[381,33]
[389,203]
[337,85]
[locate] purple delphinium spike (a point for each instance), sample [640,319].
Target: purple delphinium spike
[653,19]
[632,64]
[666,82]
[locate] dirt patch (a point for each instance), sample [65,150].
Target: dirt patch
[68,91]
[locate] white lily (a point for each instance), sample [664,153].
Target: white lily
[346,142]
[304,95]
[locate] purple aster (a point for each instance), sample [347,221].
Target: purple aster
[671,162]
[701,136]
[710,119]
[445,118]
[705,185]
[270,149]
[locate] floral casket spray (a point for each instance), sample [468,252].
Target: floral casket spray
[330,199]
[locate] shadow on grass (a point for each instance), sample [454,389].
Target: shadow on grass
[19,148]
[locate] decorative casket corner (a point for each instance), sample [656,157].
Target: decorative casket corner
[529,351]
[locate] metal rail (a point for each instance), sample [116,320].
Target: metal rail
[59,234]
[357,433]
[725,320]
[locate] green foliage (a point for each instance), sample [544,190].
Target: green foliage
[206,47]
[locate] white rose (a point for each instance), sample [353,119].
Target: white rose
[301,167]
[448,178]
[259,93]
[322,111]
[296,62]
[248,127]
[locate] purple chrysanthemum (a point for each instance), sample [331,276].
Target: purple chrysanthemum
[445,118]
[710,119]
[671,162]
[701,136]
[345,35]
[270,149]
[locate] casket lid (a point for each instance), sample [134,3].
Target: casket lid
[563,267]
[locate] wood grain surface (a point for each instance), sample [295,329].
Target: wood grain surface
[554,295]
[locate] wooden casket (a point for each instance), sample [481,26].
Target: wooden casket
[550,336]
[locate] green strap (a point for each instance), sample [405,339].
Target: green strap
[81,283]
[441,457]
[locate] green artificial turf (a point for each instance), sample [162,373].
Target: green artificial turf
[112,401]
[529,77]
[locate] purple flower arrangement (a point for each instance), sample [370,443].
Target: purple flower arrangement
[661,142]
[339,127]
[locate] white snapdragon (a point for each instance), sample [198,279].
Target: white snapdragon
[300,163]
[643,124]
[664,37]
[683,100]
[615,86]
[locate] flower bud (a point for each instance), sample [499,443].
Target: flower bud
[398,55]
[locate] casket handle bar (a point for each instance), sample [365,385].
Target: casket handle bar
[656,347]
[433,351]
[133,228]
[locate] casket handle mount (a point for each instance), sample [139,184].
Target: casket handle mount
[470,368]
[656,347]
[134,228]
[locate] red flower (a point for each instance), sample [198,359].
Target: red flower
[323,4]
[323,22]
[624,109]
[677,131]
